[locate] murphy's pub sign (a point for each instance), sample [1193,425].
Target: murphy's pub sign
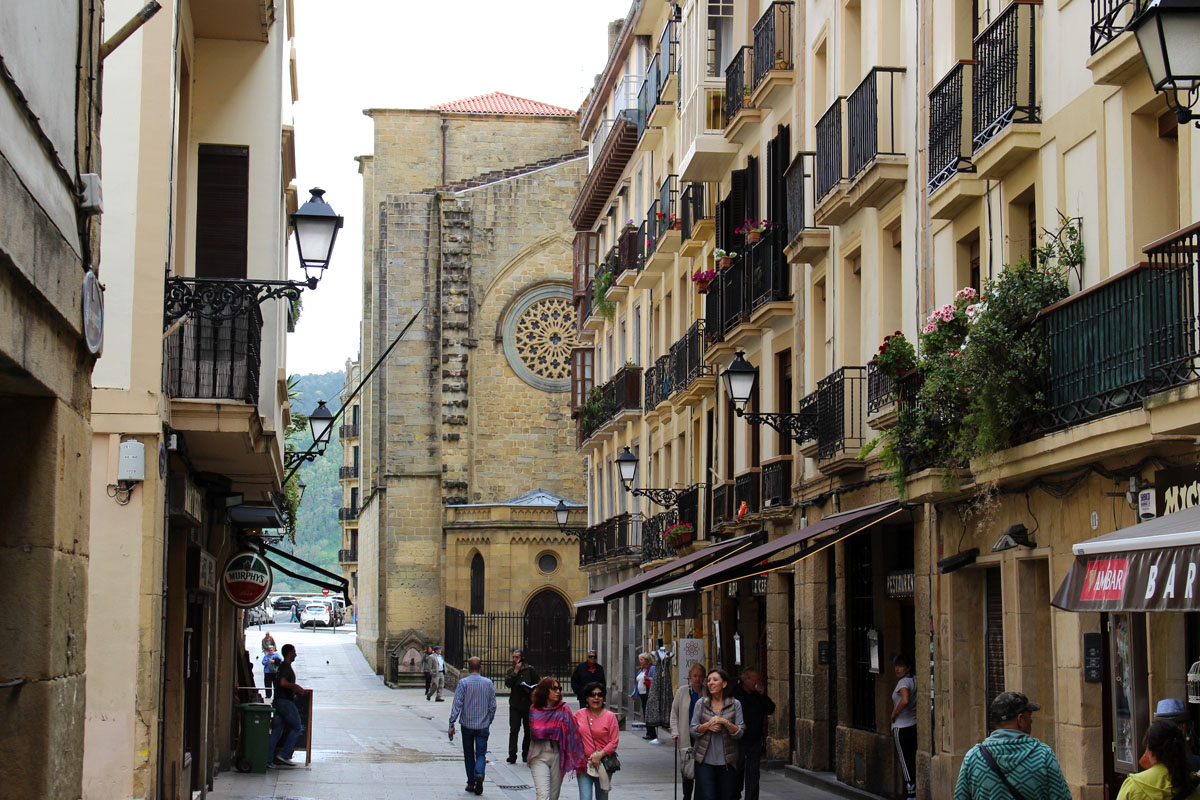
[247,579]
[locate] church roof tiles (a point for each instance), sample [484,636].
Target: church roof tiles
[501,103]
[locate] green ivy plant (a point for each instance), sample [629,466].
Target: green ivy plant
[600,299]
[592,410]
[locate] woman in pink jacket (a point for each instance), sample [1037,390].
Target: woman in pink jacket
[598,728]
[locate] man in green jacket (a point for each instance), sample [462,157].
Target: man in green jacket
[1026,764]
[520,682]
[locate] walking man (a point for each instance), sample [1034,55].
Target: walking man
[1010,758]
[475,703]
[520,682]
[437,674]
[589,671]
[287,716]
[757,705]
[427,663]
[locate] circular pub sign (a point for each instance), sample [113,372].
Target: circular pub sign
[247,579]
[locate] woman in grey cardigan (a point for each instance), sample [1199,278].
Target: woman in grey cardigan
[717,724]
[682,706]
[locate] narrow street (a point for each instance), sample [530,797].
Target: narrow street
[373,742]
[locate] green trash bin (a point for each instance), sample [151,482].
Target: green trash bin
[256,736]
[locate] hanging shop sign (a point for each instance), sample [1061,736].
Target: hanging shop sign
[247,579]
[1165,579]
[1176,488]
[665,609]
[758,586]
[900,583]
[592,615]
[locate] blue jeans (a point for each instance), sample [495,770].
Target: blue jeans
[474,751]
[287,714]
[587,785]
[716,782]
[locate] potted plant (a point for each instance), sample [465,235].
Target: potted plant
[780,61]
[896,356]
[753,229]
[702,278]
[724,257]
[679,534]
[676,223]
[628,226]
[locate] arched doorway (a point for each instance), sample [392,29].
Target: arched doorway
[547,643]
[477,584]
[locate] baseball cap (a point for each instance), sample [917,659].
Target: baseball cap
[1010,705]
[1171,708]
[437,647]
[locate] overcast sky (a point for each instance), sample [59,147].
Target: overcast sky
[358,54]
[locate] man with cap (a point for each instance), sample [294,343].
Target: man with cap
[1011,762]
[437,674]
[1172,709]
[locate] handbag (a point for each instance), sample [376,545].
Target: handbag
[609,761]
[688,768]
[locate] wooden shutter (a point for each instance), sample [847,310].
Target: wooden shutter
[752,184]
[584,255]
[778,158]
[736,211]
[583,376]
[222,210]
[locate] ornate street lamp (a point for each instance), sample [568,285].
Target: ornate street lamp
[316,226]
[739,378]
[1168,34]
[320,421]
[561,512]
[627,464]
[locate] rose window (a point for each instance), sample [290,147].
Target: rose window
[544,337]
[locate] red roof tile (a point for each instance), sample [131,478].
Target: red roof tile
[501,103]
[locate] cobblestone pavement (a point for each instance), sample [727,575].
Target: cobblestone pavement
[370,741]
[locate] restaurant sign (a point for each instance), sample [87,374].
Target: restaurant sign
[1164,579]
[664,609]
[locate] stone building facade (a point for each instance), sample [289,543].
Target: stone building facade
[465,224]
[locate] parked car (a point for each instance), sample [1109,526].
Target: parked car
[283,602]
[315,614]
[260,615]
[339,610]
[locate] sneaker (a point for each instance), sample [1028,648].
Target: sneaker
[272,765]
[285,762]
[655,741]
[441,700]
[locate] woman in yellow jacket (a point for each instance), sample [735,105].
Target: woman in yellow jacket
[1167,777]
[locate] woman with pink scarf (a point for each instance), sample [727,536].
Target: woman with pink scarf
[557,748]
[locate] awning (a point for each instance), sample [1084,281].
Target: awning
[664,572]
[591,615]
[1153,566]
[666,609]
[751,562]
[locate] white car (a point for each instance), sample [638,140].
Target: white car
[316,614]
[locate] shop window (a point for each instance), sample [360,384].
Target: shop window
[477,584]
[1128,670]
[860,598]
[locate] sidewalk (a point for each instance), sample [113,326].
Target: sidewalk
[373,742]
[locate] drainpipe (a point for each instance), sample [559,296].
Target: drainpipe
[445,131]
[129,28]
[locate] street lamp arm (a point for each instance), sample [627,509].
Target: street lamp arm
[799,427]
[223,299]
[667,498]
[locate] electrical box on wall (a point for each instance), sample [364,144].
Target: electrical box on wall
[131,465]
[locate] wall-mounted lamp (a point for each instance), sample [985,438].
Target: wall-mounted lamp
[1014,536]
[958,561]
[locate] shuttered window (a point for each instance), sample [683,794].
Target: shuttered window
[585,254]
[778,157]
[583,376]
[222,210]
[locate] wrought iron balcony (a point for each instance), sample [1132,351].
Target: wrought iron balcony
[777,484]
[667,58]
[950,142]
[1004,90]
[687,358]
[746,490]
[215,359]
[1110,18]
[347,513]
[629,251]
[769,275]
[647,98]
[829,150]
[738,83]
[348,473]
[881,389]
[841,426]
[348,432]
[653,227]
[654,543]
[658,383]
[586,303]
[348,556]
[722,504]
[622,393]
[773,41]
[1117,343]
[873,111]
[689,504]
[616,537]
[697,202]
[731,288]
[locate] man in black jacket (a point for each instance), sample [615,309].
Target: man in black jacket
[751,692]
[520,682]
[589,671]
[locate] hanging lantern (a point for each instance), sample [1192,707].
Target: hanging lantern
[1194,683]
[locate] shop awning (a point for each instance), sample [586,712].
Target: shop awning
[664,572]
[1153,566]
[591,615]
[756,559]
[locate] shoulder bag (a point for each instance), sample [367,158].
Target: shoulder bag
[688,767]
[609,761]
[991,762]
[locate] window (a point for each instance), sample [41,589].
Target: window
[637,333]
[547,563]
[582,376]
[353,497]
[477,584]
[783,399]
[356,460]
[860,598]
[222,210]
[720,37]
[354,414]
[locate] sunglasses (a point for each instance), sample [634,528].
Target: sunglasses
[556,688]
[596,694]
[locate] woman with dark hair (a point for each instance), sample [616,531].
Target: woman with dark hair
[1168,777]
[717,724]
[600,733]
[557,747]
[904,721]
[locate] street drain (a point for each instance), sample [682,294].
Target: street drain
[515,786]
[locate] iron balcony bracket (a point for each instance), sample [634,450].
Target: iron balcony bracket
[224,299]
[667,498]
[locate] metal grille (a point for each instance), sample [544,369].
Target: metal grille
[654,545]
[809,411]
[777,484]
[546,638]
[687,358]
[860,596]
[732,291]
[668,203]
[947,155]
[668,58]
[829,149]
[216,359]
[688,505]
[616,537]
[722,499]
[746,490]
[653,228]
[880,389]
[770,273]
[714,331]
[795,180]
[773,41]
[872,110]
[840,426]
[1110,18]
[737,83]
[1005,73]
[993,637]
[696,202]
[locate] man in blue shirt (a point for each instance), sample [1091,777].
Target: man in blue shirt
[475,702]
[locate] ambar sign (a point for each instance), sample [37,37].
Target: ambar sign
[246,579]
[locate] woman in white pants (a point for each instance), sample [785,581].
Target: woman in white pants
[557,748]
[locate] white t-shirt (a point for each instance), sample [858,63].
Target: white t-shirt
[908,717]
[643,682]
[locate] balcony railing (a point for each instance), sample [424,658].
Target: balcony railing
[647,98]
[348,432]
[746,490]
[722,503]
[629,251]
[668,204]
[881,389]
[668,57]
[1121,341]
[687,358]
[658,383]
[1110,18]
[840,412]
[697,202]
[215,359]
[799,188]
[738,85]
[689,504]
[1004,90]
[348,473]
[614,538]
[622,393]
[873,111]
[713,332]
[348,556]
[950,143]
[654,530]
[731,287]
[348,513]
[829,149]
[770,273]
[653,228]
[777,484]
[773,41]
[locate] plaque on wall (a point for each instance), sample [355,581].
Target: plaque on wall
[1093,658]
[822,652]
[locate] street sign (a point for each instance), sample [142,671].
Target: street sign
[324,591]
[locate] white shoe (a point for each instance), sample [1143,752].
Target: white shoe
[285,761]
[655,741]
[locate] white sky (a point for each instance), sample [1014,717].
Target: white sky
[358,54]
